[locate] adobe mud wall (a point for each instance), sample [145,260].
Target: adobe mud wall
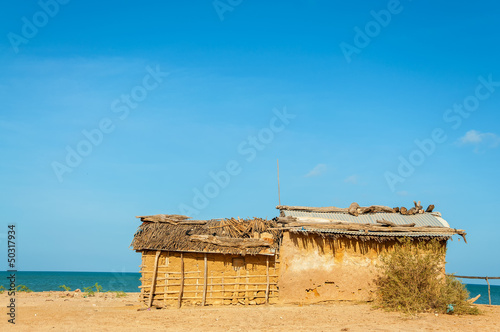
[316,269]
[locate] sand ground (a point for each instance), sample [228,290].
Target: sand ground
[61,311]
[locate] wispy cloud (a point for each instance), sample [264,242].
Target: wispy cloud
[479,140]
[317,170]
[353,179]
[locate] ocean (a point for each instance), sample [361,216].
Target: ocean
[474,290]
[50,281]
[129,282]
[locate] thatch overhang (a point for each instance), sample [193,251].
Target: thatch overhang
[226,236]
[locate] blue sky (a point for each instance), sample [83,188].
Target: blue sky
[158,99]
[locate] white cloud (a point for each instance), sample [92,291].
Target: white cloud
[353,179]
[317,170]
[479,140]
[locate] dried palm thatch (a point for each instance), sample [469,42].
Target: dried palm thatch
[383,230]
[363,237]
[175,233]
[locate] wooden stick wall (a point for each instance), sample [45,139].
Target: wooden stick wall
[164,288]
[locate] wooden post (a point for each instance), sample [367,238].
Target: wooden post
[143,275]
[211,284]
[181,290]
[167,254]
[205,281]
[268,281]
[489,294]
[247,300]
[279,196]
[222,287]
[153,280]
[236,292]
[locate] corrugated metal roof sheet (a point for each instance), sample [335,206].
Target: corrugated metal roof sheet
[362,233]
[422,219]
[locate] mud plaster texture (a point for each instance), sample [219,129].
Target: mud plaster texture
[317,269]
[231,279]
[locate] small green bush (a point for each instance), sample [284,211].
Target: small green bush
[66,288]
[90,291]
[2,289]
[98,288]
[412,280]
[23,288]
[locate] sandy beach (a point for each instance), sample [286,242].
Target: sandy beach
[69,311]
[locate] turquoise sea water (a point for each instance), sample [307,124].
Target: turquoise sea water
[50,281]
[129,282]
[474,290]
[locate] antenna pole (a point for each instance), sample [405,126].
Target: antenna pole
[279,196]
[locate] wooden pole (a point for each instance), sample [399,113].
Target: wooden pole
[268,281]
[181,290]
[487,281]
[467,277]
[153,281]
[205,279]
[247,301]
[143,274]
[279,196]
[489,293]
[222,287]
[236,293]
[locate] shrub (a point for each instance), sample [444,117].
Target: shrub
[455,294]
[23,288]
[2,289]
[98,287]
[412,280]
[66,288]
[90,291]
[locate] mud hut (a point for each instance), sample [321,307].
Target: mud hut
[332,253]
[202,262]
[306,255]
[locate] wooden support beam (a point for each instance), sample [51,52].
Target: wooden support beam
[268,280]
[153,281]
[236,292]
[229,297]
[489,293]
[305,223]
[222,287]
[468,277]
[223,284]
[247,298]
[220,297]
[205,281]
[240,243]
[179,303]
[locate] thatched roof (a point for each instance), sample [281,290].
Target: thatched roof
[228,236]
[260,236]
